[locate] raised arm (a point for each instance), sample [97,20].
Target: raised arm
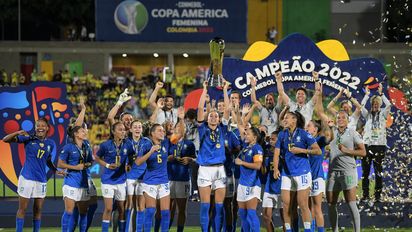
[331,104]
[152,99]
[201,105]
[124,97]
[386,102]
[80,118]
[226,112]
[13,136]
[354,102]
[253,90]
[317,87]
[160,104]
[281,91]
[364,111]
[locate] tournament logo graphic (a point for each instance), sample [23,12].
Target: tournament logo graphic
[20,107]
[131,17]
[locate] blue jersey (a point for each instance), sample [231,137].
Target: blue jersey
[85,143]
[272,185]
[176,170]
[156,170]
[241,144]
[108,152]
[316,161]
[137,171]
[73,155]
[232,146]
[212,145]
[249,177]
[295,164]
[37,153]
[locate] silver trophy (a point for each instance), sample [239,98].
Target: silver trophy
[217,47]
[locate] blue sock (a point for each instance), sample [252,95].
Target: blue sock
[139,221]
[165,220]
[128,213]
[253,220]
[180,228]
[36,225]
[105,226]
[149,212]
[243,218]
[218,216]
[122,224]
[204,216]
[313,225]
[90,214]
[307,230]
[65,221]
[157,224]
[19,224]
[73,220]
[83,222]
[321,229]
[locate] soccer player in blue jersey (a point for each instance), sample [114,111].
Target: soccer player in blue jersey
[155,179]
[271,196]
[33,176]
[113,154]
[248,192]
[181,155]
[322,133]
[92,203]
[75,157]
[210,158]
[296,177]
[135,199]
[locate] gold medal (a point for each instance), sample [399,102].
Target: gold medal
[117,160]
[218,145]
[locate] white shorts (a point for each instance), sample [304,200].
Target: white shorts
[213,176]
[92,188]
[31,189]
[272,201]
[318,187]
[179,189]
[116,191]
[156,191]
[230,186]
[245,193]
[134,187]
[76,194]
[296,183]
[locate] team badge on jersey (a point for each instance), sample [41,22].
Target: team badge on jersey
[298,139]
[41,145]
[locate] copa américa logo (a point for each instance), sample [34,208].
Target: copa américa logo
[131,17]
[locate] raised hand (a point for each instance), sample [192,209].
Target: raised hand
[205,83]
[81,103]
[367,91]
[245,109]
[315,75]
[181,112]
[124,97]
[278,76]
[159,85]
[253,81]
[348,93]
[380,88]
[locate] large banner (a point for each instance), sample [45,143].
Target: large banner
[20,107]
[296,57]
[170,21]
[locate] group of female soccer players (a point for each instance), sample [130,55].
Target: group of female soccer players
[147,172]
